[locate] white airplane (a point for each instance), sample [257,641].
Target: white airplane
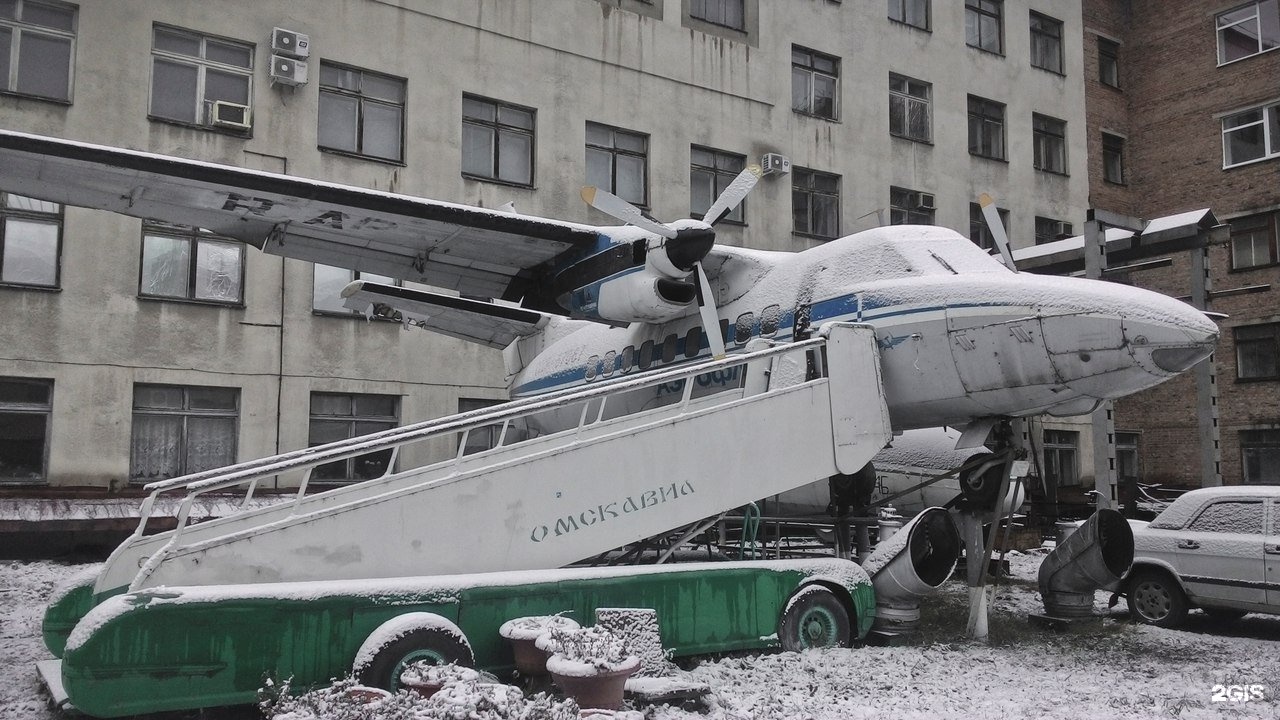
[963,338]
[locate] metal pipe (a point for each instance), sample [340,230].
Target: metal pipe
[1092,558]
[913,563]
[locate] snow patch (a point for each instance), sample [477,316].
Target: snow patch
[396,628]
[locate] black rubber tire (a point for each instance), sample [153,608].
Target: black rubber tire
[981,489]
[817,619]
[1225,614]
[430,643]
[1155,598]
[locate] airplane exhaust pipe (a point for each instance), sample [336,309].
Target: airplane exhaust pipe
[915,561]
[1094,557]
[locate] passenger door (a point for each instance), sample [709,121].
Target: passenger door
[1220,553]
[1271,555]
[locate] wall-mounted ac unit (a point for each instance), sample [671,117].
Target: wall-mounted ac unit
[290,43]
[288,71]
[925,201]
[775,164]
[230,115]
[1061,229]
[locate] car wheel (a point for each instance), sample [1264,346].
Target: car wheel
[1156,599]
[1224,614]
[435,645]
[814,618]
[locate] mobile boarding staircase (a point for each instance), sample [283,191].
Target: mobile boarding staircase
[616,462]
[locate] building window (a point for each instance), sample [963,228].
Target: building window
[484,437]
[910,207]
[1128,464]
[190,72]
[327,285]
[1251,135]
[910,12]
[618,161]
[1113,158]
[986,128]
[815,83]
[26,410]
[1248,30]
[1253,241]
[1260,457]
[1046,43]
[1049,229]
[1109,62]
[497,141]
[30,241]
[710,172]
[37,43]
[1050,139]
[336,416]
[1257,351]
[725,13]
[980,232]
[910,114]
[181,430]
[361,112]
[984,25]
[1060,458]
[815,203]
[191,264]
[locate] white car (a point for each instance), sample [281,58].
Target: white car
[1215,548]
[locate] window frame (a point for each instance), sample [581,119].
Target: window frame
[908,100]
[1046,130]
[720,178]
[899,211]
[983,115]
[354,275]
[203,118]
[1257,22]
[811,191]
[811,72]
[496,129]
[614,152]
[19,28]
[185,413]
[699,10]
[1044,34]
[15,407]
[1233,513]
[1113,158]
[1041,222]
[900,6]
[1267,441]
[980,9]
[489,434]
[1269,121]
[978,226]
[1108,58]
[1266,341]
[57,219]
[1060,445]
[351,418]
[196,237]
[1267,223]
[361,100]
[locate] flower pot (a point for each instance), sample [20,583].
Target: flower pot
[529,659]
[366,695]
[592,688]
[523,634]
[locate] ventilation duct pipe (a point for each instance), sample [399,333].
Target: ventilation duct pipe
[1092,558]
[915,561]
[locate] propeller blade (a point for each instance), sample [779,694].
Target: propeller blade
[710,316]
[733,195]
[992,216]
[612,205]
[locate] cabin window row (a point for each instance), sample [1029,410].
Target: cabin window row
[686,347]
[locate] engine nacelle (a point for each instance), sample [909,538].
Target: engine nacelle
[644,296]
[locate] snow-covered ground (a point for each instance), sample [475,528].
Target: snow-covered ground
[1110,670]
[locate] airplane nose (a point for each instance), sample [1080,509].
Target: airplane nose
[1168,340]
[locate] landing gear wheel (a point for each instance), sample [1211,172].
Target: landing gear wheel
[980,486]
[1224,614]
[434,644]
[815,618]
[1156,599]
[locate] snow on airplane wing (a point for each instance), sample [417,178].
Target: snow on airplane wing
[477,252]
[495,326]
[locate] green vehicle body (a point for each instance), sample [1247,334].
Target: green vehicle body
[190,647]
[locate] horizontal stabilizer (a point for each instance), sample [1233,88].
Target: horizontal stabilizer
[486,323]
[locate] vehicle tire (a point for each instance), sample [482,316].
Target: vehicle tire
[814,618]
[434,644]
[981,488]
[1224,614]
[1156,599]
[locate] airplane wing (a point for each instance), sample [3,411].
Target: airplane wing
[489,324]
[477,252]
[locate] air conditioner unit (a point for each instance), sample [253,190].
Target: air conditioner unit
[925,201]
[288,71]
[290,43]
[775,164]
[230,115]
[1061,229]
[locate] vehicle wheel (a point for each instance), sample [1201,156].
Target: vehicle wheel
[981,488]
[434,644]
[814,618]
[1225,614]
[1156,599]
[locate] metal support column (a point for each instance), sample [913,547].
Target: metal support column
[1102,420]
[1206,377]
